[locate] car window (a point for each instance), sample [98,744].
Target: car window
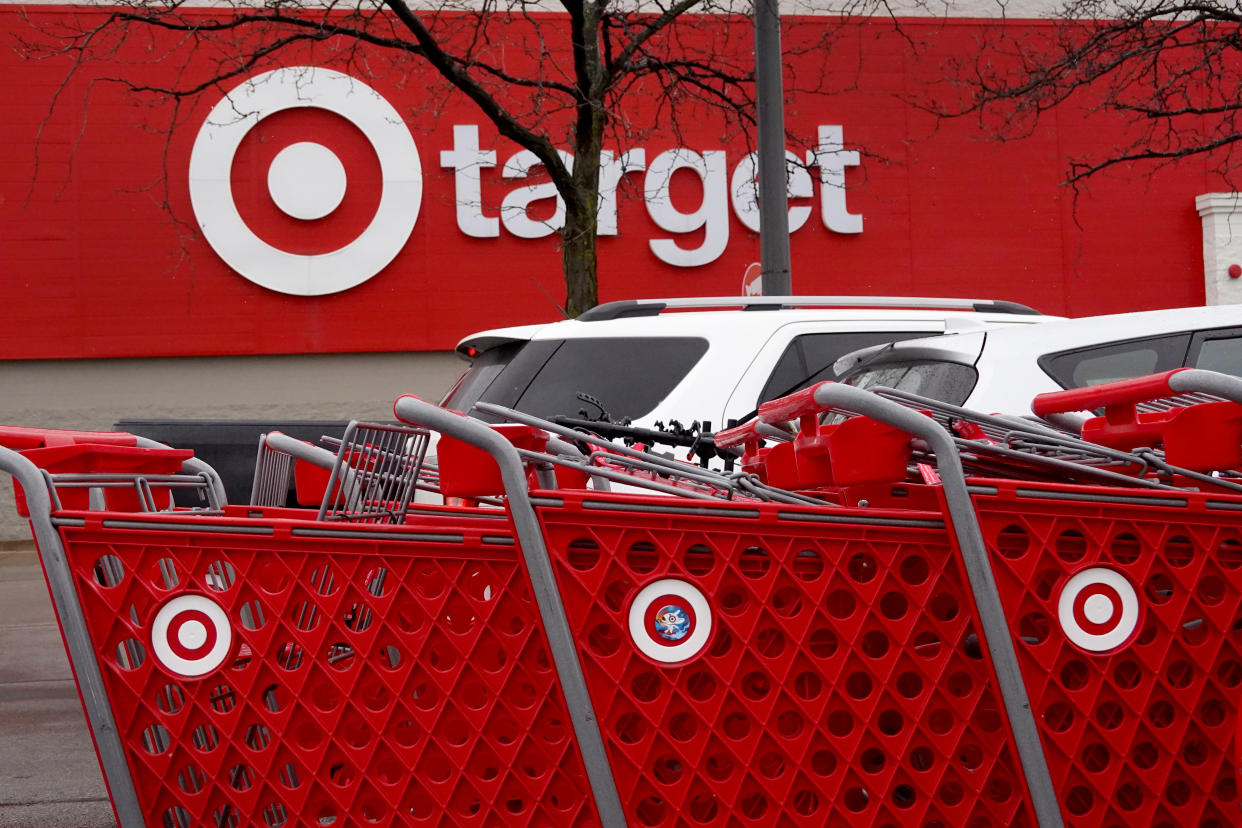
[948,382]
[1116,360]
[808,358]
[1219,351]
[482,371]
[503,380]
[627,376]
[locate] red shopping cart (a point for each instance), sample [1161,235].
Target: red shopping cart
[608,637]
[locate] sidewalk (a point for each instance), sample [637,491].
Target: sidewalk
[49,776]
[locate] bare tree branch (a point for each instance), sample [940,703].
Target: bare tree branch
[1174,69]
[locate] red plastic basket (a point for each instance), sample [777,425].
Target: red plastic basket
[842,682]
[399,679]
[1138,712]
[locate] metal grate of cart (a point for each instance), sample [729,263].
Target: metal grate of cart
[888,612]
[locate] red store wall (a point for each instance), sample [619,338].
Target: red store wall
[100,255]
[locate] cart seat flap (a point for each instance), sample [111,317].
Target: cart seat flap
[21,438]
[470,472]
[62,457]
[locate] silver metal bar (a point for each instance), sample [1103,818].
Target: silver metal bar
[995,629]
[543,583]
[97,482]
[564,448]
[115,480]
[197,466]
[684,471]
[1069,467]
[1158,462]
[161,525]
[751,484]
[628,479]
[661,509]
[384,533]
[1197,380]
[259,483]
[380,483]
[820,517]
[77,638]
[773,432]
[1041,494]
[273,473]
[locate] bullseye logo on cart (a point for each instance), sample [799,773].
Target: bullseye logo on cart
[191,635]
[308,181]
[1098,609]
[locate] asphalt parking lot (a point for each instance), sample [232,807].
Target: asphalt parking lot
[49,776]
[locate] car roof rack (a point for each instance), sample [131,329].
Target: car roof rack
[627,308]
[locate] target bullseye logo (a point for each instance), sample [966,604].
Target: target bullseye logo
[670,621]
[1098,609]
[305,180]
[191,635]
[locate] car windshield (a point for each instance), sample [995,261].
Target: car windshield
[947,382]
[620,377]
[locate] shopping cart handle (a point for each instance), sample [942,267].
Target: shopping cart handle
[739,435]
[794,406]
[1121,392]
[301,450]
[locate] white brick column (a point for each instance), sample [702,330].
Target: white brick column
[1221,214]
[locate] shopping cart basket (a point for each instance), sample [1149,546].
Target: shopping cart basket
[576,656]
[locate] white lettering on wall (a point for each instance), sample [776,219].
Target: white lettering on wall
[744,191]
[514,210]
[832,158]
[710,217]
[467,162]
[712,214]
[611,170]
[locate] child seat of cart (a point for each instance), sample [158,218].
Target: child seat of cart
[470,473]
[98,455]
[855,451]
[1195,433]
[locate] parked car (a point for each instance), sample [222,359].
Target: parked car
[1001,370]
[705,360]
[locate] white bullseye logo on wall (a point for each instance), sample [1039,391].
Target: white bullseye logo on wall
[670,621]
[1098,609]
[191,635]
[306,181]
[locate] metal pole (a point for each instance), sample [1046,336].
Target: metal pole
[773,203]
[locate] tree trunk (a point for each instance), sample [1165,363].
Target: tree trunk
[578,239]
[579,235]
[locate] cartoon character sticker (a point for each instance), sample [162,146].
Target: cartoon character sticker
[672,623]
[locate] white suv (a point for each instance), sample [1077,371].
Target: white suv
[1000,371]
[696,360]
